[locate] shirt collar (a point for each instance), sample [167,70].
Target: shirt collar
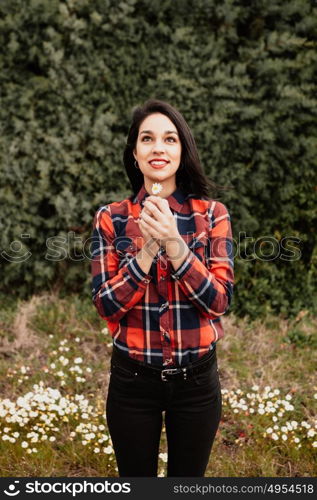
[175,200]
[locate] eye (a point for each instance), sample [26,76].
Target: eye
[168,138]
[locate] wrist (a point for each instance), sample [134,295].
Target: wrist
[171,239]
[152,246]
[176,247]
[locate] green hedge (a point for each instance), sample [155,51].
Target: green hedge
[242,73]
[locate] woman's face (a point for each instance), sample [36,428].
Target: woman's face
[158,140]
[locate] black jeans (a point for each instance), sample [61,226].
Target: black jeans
[134,407]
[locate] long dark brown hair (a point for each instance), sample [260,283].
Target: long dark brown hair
[190,177]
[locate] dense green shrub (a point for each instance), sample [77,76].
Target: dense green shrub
[242,73]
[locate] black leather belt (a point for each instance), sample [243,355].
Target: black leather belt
[199,366]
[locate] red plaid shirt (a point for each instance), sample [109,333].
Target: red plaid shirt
[165,317]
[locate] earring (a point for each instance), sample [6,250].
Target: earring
[135,164]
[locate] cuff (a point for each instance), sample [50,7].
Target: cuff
[184,267]
[136,273]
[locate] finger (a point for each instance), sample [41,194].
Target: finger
[153,209]
[154,199]
[143,228]
[149,230]
[154,202]
[151,222]
[161,203]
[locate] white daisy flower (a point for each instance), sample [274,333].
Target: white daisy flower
[163,456]
[108,450]
[156,188]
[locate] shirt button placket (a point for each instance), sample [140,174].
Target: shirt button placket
[163,314]
[166,341]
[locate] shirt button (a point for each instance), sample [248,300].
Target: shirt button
[163,278]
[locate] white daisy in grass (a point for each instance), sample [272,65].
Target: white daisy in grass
[163,456]
[108,450]
[156,188]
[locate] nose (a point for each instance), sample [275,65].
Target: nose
[158,147]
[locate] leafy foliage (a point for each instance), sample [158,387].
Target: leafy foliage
[241,73]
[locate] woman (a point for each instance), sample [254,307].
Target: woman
[162,276]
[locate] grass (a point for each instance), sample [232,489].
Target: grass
[54,375]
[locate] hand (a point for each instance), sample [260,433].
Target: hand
[149,240]
[159,220]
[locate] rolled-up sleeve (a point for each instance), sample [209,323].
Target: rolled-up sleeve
[210,287]
[114,290]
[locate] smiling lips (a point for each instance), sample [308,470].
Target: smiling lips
[158,163]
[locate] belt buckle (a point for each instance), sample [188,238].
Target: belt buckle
[171,371]
[168,371]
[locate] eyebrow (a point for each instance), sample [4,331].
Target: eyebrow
[166,132]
